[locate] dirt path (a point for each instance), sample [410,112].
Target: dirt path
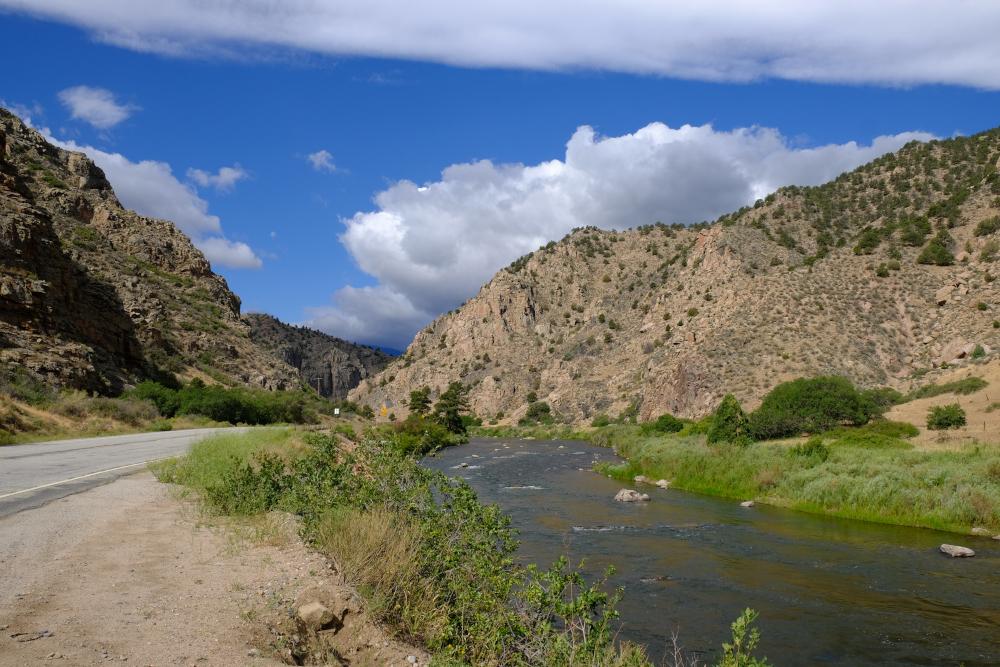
[124,573]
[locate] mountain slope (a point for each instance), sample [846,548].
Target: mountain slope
[95,296]
[330,365]
[809,281]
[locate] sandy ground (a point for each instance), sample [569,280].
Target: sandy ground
[982,426]
[126,573]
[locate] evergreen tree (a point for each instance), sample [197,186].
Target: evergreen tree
[729,423]
[450,406]
[420,401]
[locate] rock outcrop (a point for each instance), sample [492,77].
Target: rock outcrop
[667,319]
[97,297]
[329,365]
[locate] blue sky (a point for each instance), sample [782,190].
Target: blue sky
[320,248]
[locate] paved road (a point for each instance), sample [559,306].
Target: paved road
[32,475]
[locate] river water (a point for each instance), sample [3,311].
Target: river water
[829,591]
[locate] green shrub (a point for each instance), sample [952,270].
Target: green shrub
[729,423]
[601,420]
[884,397]
[937,253]
[944,417]
[235,405]
[665,424]
[538,411]
[987,226]
[893,429]
[882,271]
[960,387]
[814,405]
[978,352]
[812,447]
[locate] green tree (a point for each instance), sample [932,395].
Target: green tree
[943,417]
[812,405]
[420,401]
[729,423]
[450,406]
[936,253]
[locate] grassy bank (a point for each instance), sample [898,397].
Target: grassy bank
[856,473]
[429,561]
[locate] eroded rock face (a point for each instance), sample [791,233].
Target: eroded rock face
[94,296]
[664,320]
[330,365]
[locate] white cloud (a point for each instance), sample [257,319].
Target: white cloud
[374,315]
[96,106]
[233,254]
[893,42]
[322,160]
[224,181]
[150,188]
[23,112]
[432,246]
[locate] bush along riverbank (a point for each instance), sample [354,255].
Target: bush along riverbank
[429,562]
[854,464]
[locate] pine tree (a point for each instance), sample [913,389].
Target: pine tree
[450,406]
[420,401]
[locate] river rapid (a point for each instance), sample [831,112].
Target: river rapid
[829,591]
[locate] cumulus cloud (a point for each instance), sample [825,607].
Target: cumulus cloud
[96,106]
[847,41]
[322,160]
[233,254]
[150,188]
[375,315]
[224,181]
[432,246]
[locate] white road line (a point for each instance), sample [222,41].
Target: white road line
[73,479]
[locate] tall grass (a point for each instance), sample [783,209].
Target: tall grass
[865,475]
[427,558]
[212,459]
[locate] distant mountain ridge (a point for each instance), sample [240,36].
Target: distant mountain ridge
[94,296]
[880,275]
[329,365]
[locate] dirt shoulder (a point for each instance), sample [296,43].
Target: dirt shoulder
[126,572]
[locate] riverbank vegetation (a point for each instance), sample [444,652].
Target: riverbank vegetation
[33,411]
[428,561]
[852,463]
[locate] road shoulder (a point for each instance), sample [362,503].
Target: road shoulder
[127,572]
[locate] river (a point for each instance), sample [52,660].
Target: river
[829,591]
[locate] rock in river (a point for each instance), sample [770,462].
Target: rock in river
[957,552]
[747,503]
[630,496]
[662,483]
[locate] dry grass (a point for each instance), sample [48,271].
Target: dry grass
[377,553]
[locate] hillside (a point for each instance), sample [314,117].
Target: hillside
[809,281]
[330,365]
[97,297]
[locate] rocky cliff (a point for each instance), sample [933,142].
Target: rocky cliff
[848,278]
[330,365]
[95,296]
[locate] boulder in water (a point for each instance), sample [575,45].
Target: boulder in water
[747,503]
[642,479]
[957,552]
[662,483]
[630,496]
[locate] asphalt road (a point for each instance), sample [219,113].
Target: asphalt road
[38,473]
